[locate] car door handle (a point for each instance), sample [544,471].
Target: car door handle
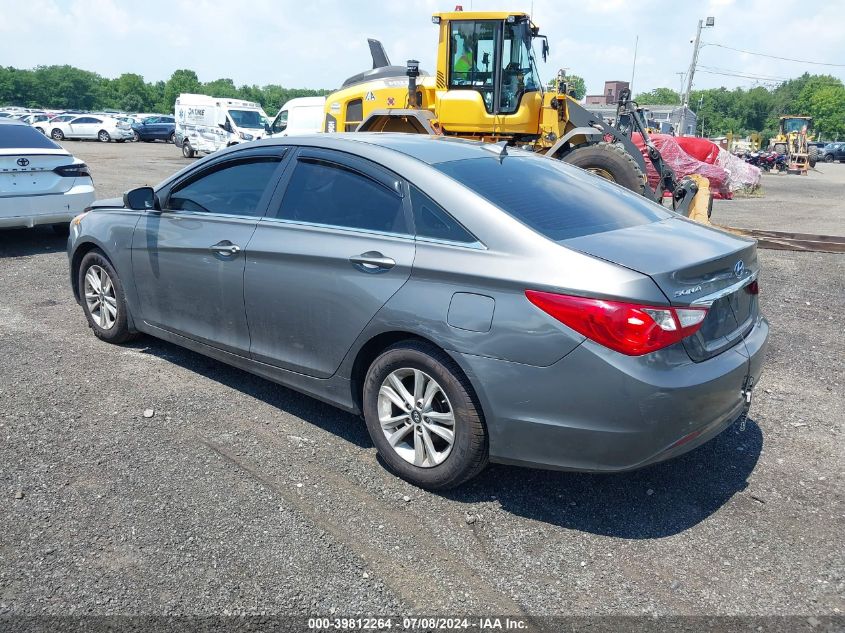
[226,248]
[372,262]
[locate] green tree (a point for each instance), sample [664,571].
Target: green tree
[658,96]
[180,81]
[827,107]
[577,85]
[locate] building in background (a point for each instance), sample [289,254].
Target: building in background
[611,93]
[664,118]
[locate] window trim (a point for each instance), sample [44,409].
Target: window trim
[476,244]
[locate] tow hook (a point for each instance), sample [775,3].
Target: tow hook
[747,388]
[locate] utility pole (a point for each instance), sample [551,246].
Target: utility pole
[685,100]
[634,68]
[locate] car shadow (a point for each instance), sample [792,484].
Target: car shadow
[27,242]
[654,502]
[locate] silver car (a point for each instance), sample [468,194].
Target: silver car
[474,303]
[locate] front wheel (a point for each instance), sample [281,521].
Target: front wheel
[423,418]
[828,158]
[187,150]
[813,157]
[103,299]
[103,136]
[611,162]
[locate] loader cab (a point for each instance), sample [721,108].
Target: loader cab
[795,125]
[487,72]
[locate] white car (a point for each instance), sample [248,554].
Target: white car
[102,128]
[40,182]
[44,126]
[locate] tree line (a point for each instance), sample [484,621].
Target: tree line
[71,88]
[757,109]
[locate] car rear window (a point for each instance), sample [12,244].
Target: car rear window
[556,200]
[24,137]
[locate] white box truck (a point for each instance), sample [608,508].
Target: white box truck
[206,124]
[303,115]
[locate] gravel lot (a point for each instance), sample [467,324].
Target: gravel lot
[240,495]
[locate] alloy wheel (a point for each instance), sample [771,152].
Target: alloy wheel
[100,297]
[416,417]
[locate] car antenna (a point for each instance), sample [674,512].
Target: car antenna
[500,149]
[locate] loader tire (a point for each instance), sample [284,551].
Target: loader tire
[813,156]
[611,162]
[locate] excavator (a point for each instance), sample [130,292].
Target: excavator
[486,87]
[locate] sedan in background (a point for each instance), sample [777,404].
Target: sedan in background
[154,128]
[833,152]
[44,126]
[40,182]
[101,128]
[475,303]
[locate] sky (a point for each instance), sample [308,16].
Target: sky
[318,43]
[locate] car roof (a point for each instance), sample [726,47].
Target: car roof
[427,149]
[6,121]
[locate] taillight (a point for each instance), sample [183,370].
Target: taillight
[73,171]
[753,288]
[627,328]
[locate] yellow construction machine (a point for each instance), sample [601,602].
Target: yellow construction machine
[793,134]
[486,87]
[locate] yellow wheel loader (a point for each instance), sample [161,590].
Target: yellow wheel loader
[486,87]
[793,134]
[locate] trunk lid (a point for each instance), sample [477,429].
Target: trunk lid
[692,264]
[28,172]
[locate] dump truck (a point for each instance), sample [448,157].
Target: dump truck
[486,87]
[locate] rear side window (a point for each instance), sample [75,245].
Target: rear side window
[233,188]
[555,199]
[14,136]
[323,192]
[431,221]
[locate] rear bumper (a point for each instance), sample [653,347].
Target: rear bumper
[599,411]
[29,211]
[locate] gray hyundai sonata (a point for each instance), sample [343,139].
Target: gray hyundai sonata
[474,303]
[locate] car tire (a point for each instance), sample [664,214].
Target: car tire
[62,229]
[420,455]
[172,138]
[828,158]
[57,135]
[187,150]
[135,136]
[103,136]
[113,327]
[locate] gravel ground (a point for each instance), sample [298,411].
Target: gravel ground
[240,495]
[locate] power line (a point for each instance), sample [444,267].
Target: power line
[786,59]
[741,73]
[740,76]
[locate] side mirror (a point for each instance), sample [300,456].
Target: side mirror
[140,199]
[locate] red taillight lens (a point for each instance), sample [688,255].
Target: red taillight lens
[753,288]
[627,328]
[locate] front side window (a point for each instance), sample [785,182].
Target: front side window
[322,192]
[233,188]
[472,50]
[281,122]
[247,119]
[519,71]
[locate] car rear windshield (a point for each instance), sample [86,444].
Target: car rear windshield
[556,200]
[24,137]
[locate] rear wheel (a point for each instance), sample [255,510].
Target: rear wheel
[187,150]
[172,138]
[828,158]
[103,136]
[40,129]
[103,299]
[57,135]
[611,162]
[135,136]
[423,417]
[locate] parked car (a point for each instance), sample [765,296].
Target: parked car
[40,182]
[102,128]
[411,278]
[832,152]
[44,126]
[156,128]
